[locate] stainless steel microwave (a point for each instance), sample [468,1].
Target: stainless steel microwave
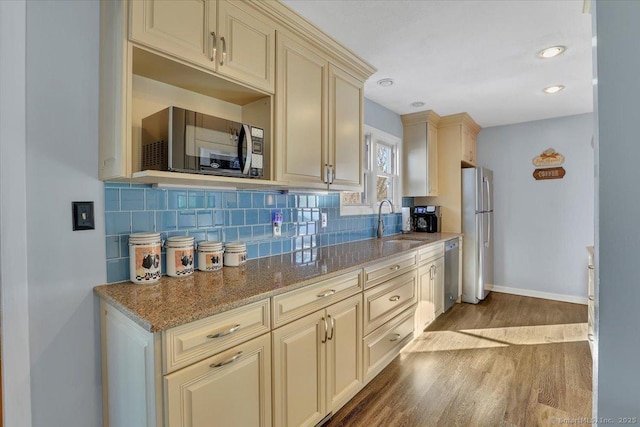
[180,140]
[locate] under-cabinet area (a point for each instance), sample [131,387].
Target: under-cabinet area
[275,343]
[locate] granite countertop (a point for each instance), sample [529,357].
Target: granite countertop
[175,301]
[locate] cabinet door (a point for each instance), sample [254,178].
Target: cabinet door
[299,371]
[177,27]
[468,146]
[344,351]
[246,46]
[425,311]
[345,130]
[301,114]
[230,389]
[438,286]
[432,160]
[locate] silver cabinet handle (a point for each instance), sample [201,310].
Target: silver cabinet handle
[224,50]
[327,293]
[394,298]
[227,332]
[592,267]
[326,327]
[395,337]
[214,46]
[394,267]
[591,298]
[590,337]
[333,326]
[226,362]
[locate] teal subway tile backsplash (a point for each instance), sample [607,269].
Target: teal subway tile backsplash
[230,216]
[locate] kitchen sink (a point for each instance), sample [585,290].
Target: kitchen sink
[404,241]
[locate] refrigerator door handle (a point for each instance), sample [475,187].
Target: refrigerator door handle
[488,185]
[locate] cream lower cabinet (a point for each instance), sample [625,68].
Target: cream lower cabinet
[317,363]
[226,37]
[319,113]
[230,389]
[214,371]
[430,286]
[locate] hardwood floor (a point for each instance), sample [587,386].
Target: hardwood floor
[509,361]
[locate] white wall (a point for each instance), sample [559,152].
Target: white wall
[618,250]
[62,166]
[542,227]
[16,381]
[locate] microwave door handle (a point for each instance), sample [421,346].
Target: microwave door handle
[247,163]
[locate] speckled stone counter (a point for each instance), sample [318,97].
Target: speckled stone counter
[175,301]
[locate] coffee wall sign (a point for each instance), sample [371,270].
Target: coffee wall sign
[551,160]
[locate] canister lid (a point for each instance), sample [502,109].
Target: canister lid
[210,246]
[180,241]
[144,238]
[235,247]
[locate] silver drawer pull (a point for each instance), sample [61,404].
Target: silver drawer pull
[591,267]
[394,298]
[227,332]
[591,337]
[327,293]
[226,362]
[395,337]
[591,298]
[395,267]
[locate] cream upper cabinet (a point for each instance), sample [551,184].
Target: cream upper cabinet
[317,363]
[420,154]
[176,27]
[319,114]
[469,142]
[345,129]
[230,389]
[301,113]
[224,36]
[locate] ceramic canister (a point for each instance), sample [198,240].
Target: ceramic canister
[210,256]
[180,256]
[145,257]
[235,254]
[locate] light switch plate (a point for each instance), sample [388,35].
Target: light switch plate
[83,218]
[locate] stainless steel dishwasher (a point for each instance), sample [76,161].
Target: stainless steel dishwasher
[451,272]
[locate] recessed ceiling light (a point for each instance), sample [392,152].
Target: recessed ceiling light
[553,89]
[385,82]
[552,51]
[417,104]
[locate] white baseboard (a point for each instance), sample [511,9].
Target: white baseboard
[538,294]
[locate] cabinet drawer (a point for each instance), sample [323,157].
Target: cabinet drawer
[430,253]
[378,273]
[384,344]
[296,304]
[387,300]
[186,344]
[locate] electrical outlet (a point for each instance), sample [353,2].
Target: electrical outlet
[276,220]
[83,218]
[323,220]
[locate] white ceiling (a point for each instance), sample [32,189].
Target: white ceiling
[474,56]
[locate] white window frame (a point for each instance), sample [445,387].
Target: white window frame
[371,207]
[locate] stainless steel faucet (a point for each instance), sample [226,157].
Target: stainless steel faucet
[380,223]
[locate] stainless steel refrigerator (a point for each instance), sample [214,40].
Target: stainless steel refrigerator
[477,227]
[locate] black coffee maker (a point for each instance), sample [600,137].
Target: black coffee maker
[426,219]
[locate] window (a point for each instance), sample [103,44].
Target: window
[381,178]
